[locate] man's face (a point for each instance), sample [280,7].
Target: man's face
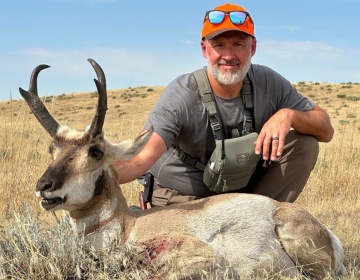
[229,56]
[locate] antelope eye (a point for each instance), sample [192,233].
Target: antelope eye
[96,153]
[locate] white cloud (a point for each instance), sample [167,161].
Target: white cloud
[287,50]
[88,1]
[288,27]
[124,67]
[355,76]
[187,42]
[134,65]
[292,27]
[310,60]
[70,72]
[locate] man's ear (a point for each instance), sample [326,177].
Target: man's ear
[203,48]
[253,46]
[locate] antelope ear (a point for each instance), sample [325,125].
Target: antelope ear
[127,149]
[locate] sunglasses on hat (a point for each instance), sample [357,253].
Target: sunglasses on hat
[236,17]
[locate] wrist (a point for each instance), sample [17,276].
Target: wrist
[289,114]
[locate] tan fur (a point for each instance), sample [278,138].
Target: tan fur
[242,234]
[305,239]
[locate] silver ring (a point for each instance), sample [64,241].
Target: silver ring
[275,138]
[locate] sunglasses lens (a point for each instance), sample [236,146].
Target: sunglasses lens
[216,17]
[238,17]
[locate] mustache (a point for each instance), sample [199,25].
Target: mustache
[228,62]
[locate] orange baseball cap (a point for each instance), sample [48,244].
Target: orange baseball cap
[210,30]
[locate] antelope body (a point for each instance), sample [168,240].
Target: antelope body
[244,233]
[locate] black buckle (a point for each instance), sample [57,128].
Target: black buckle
[186,158]
[215,126]
[247,120]
[182,156]
[194,162]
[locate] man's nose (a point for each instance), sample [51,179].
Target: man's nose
[228,53]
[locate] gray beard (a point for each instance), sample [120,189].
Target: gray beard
[227,78]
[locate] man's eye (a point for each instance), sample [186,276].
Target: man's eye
[217,47]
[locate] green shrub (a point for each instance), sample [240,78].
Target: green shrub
[341,96]
[343,122]
[353,98]
[351,116]
[94,95]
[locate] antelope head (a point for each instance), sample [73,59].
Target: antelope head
[81,170]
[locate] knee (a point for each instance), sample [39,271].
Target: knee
[309,144]
[303,145]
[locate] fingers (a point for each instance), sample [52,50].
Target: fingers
[271,139]
[277,147]
[263,144]
[271,147]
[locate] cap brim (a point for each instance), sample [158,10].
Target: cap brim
[216,33]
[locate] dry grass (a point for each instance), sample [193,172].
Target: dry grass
[31,249]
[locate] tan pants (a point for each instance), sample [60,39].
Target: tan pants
[282,180]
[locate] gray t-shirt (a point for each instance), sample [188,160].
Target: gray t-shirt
[180,118]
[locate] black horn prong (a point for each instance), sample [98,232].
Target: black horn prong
[37,107]
[99,118]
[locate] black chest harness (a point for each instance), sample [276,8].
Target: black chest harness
[208,98]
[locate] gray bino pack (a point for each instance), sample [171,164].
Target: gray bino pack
[232,164]
[233,161]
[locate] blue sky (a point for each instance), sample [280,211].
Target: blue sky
[151,42]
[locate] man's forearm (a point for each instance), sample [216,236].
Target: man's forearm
[132,169]
[315,122]
[129,170]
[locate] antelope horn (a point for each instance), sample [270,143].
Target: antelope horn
[99,118]
[37,107]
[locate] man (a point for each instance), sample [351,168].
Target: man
[180,119]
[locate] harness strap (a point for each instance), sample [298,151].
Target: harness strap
[248,107]
[189,160]
[247,94]
[209,101]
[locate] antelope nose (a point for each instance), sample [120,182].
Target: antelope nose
[44,184]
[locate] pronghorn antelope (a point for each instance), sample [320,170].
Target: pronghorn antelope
[245,233]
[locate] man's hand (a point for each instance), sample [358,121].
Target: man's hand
[315,122]
[272,135]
